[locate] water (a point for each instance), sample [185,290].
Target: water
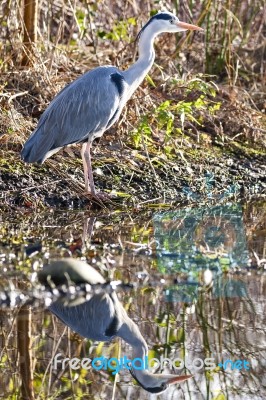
[198,291]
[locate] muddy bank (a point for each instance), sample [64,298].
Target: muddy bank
[190,177]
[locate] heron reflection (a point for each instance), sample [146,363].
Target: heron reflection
[102,317]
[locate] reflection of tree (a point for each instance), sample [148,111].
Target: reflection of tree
[25,352]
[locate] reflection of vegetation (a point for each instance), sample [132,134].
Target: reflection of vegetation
[185,292]
[228,287]
[203,238]
[222,327]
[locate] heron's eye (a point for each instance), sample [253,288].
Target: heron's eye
[172,21]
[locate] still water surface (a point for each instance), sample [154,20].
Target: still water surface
[197,278]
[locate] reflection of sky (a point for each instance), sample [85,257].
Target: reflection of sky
[193,240]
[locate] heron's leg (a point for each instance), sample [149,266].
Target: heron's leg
[88,230]
[85,168]
[88,175]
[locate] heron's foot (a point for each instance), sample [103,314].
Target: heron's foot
[101,196]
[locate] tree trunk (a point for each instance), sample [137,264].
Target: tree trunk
[30,29]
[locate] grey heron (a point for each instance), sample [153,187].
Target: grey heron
[91,104]
[102,318]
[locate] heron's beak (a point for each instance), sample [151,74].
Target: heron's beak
[178,379]
[189,27]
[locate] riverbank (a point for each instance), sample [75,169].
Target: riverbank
[217,151]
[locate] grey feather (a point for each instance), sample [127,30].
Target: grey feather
[97,318]
[81,111]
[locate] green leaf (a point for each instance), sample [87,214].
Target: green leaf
[150,81]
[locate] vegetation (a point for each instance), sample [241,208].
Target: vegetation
[200,112]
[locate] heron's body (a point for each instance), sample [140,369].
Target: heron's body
[90,105]
[84,113]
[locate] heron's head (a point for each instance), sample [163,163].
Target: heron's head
[166,21]
[156,383]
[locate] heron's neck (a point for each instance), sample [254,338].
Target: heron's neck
[135,74]
[131,334]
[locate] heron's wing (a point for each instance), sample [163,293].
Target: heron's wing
[78,112]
